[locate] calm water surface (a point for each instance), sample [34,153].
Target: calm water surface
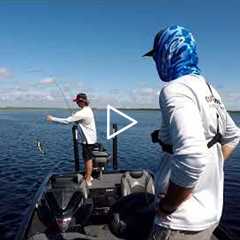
[23,168]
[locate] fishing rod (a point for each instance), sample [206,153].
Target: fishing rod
[64,97]
[50,80]
[37,142]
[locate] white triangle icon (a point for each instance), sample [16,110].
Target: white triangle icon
[133,122]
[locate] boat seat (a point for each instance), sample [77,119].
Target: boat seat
[74,181]
[137,181]
[71,179]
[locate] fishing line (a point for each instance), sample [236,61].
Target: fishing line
[64,97]
[43,153]
[50,80]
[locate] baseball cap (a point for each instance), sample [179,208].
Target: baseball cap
[156,39]
[81,96]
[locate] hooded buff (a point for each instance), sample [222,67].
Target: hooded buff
[175,53]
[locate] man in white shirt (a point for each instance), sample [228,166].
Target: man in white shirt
[197,134]
[87,131]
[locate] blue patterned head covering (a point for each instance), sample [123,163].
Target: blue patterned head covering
[175,53]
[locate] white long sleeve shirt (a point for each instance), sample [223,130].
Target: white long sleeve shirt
[189,122]
[86,123]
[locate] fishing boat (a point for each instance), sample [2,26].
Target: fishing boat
[118,205]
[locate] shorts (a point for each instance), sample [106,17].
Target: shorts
[87,151]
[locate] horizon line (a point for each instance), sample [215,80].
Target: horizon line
[94,108]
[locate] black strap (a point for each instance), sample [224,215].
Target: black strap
[210,89]
[216,139]
[169,148]
[218,136]
[214,99]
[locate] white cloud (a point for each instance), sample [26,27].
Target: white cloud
[142,97]
[146,91]
[49,98]
[48,80]
[20,96]
[4,73]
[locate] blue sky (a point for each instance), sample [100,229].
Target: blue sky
[96,46]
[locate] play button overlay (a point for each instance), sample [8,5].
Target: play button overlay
[109,135]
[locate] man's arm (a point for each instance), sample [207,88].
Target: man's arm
[230,138]
[189,145]
[174,197]
[74,118]
[227,150]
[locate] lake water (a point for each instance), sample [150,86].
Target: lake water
[23,168]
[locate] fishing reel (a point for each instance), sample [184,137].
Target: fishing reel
[155,136]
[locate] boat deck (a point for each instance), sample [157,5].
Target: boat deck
[109,180]
[103,188]
[102,232]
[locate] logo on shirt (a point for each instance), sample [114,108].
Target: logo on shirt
[211,99]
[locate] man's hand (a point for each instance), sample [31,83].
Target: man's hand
[49,118]
[227,151]
[157,208]
[174,197]
[160,213]
[162,209]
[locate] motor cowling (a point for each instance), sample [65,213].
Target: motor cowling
[66,202]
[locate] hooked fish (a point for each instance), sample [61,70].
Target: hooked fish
[40,147]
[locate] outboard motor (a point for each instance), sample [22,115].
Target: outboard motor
[66,202]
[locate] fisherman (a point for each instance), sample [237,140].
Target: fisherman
[87,131]
[197,134]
